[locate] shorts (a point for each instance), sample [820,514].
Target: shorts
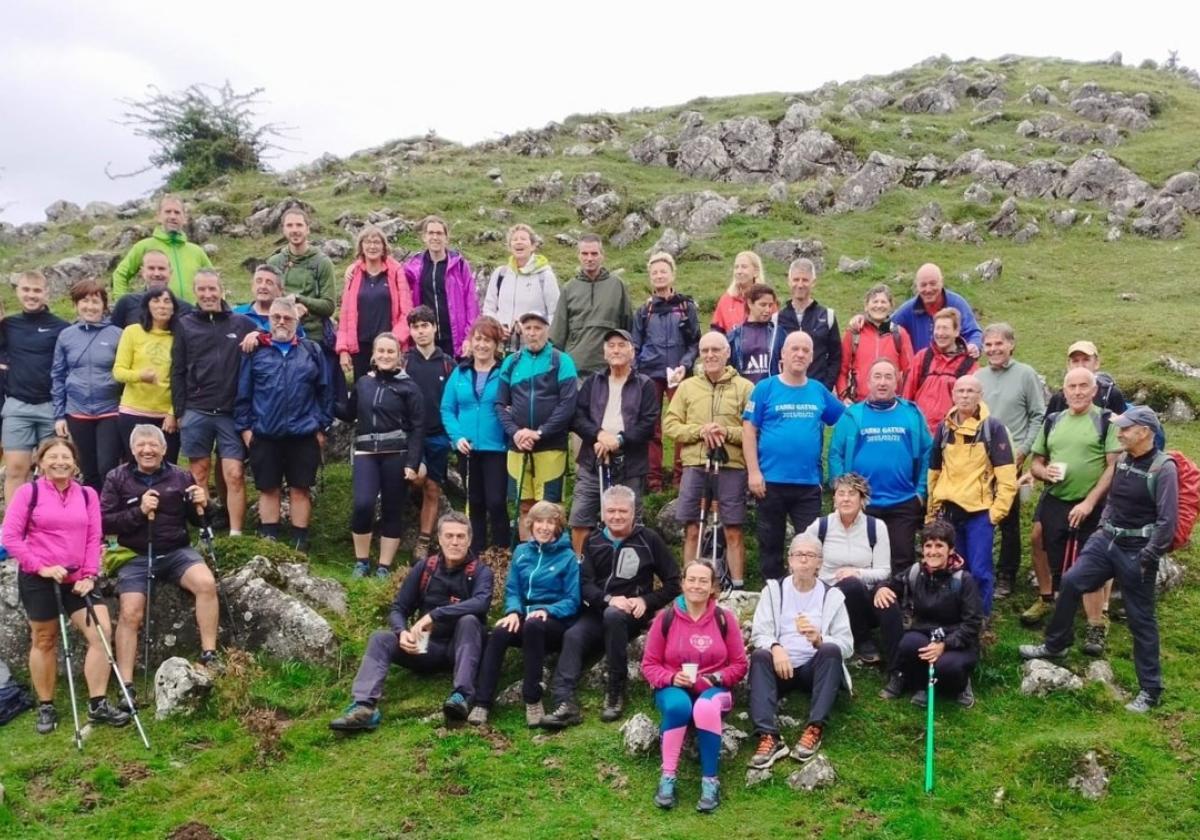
[199,430]
[544,475]
[170,567]
[294,458]
[25,426]
[436,457]
[730,495]
[585,498]
[37,597]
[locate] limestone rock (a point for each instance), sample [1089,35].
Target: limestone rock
[1037,179]
[749,142]
[816,773]
[756,776]
[579,150]
[1064,218]
[1170,575]
[544,188]
[695,213]
[977,194]
[651,150]
[274,621]
[178,688]
[990,270]
[810,154]
[1040,677]
[336,249]
[325,593]
[846,265]
[742,602]
[66,272]
[778,192]
[633,228]
[786,250]
[929,222]
[1100,671]
[1028,232]
[640,734]
[929,100]
[1098,177]
[596,210]
[1005,222]
[668,526]
[267,219]
[966,232]
[704,157]
[99,210]
[864,188]
[672,242]
[63,211]
[1091,782]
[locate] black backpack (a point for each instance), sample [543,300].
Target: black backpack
[14,698]
[927,362]
[872,529]
[669,616]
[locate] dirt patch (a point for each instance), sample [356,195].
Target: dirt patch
[130,771]
[611,775]
[193,831]
[89,797]
[267,726]
[40,789]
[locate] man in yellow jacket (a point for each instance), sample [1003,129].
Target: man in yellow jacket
[186,258]
[972,479]
[705,416]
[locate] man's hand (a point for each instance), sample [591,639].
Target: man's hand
[537,615]
[149,502]
[783,665]
[1079,513]
[410,474]
[408,642]
[846,572]
[247,436]
[931,652]
[464,446]
[60,428]
[758,484]
[637,607]
[301,311]
[424,625]
[250,342]
[608,441]
[198,495]
[346,362]
[526,439]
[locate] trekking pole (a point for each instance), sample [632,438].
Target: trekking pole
[705,505]
[515,539]
[66,642]
[466,476]
[91,618]
[149,587]
[206,537]
[937,635]
[1072,551]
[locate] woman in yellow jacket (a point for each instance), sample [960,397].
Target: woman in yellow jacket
[143,364]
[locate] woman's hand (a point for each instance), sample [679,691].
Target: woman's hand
[683,680]
[464,446]
[510,622]
[149,376]
[60,428]
[346,362]
[170,426]
[537,615]
[847,572]
[55,573]
[83,586]
[931,652]
[410,474]
[884,597]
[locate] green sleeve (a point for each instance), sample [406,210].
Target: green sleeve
[128,268]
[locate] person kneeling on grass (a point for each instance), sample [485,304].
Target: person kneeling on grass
[946,603]
[802,637]
[451,589]
[694,656]
[541,599]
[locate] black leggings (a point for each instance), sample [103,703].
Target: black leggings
[379,476]
[487,486]
[125,424]
[536,639]
[99,443]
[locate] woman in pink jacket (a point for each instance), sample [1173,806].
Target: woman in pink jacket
[694,656]
[376,299]
[52,528]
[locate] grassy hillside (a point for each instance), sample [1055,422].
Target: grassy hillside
[259,762]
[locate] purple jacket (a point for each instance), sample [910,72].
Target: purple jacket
[460,292]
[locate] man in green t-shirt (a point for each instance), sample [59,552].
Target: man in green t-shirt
[1073,454]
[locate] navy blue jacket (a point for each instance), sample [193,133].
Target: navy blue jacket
[666,333]
[81,379]
[284,394]
[822,327]
[27,347]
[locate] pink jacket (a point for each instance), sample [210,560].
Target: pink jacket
[694,641]
[347,334]
[460,292]
[64,529]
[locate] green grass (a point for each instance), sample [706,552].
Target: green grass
[415,779]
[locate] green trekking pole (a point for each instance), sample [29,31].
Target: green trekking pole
[937,635]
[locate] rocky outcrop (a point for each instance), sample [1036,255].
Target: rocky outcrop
[179,688]
[1039,678]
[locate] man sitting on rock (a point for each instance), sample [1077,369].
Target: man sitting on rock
[451,590]
[147,505]
[620,562]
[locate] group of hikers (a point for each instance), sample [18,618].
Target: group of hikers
[938,432]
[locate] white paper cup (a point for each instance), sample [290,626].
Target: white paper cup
[1026,492]
[422,642]
[1060,468]
[692,669]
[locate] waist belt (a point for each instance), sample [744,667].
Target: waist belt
[1146,531]
[378,440]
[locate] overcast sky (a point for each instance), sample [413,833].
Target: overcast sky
[351,75]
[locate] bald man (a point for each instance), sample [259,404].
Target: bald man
[916,314]
[970,485]
[783,438]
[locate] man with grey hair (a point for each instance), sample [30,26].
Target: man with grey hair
[284,404]
[803,312]
[145,504]
[619,566]
[1013,394]
[451,591]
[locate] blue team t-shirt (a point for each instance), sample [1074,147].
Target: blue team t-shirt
[790,421]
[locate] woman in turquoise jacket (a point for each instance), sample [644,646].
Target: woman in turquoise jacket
[469,415]
[541,598]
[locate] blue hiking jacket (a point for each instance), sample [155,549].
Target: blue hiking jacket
[284,394]
[544,576]
[466,414]
[81,377]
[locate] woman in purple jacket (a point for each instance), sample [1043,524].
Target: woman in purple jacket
[52,528]
[442,280]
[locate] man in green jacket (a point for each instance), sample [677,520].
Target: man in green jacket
[590,305]
[186,258]
[307,274]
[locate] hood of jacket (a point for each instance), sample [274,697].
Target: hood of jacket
[168,238]
[532,265]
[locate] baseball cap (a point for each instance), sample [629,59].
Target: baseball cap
[623,333]
[1083,347]
[533,313]
[1137,415]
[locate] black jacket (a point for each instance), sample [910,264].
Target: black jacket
[821,325]
[430,375]
[386,402]
[448,596]
[939,600]
[121,511]
[628,570]
[640,407]
[205,354]
[27,347]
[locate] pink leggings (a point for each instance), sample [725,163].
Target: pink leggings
[678,709]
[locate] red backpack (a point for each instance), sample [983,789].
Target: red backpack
[1189,492]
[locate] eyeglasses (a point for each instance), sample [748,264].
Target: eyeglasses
[283,319]
[808,555]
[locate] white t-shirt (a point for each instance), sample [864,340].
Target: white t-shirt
[613,422]
[811,604]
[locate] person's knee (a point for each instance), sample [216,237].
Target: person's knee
[381,641]
[852,586]
[131,615]
[234,472]
[536,629]
[614,619]
[762,657]
[468,627]
[44,639]
[829,650]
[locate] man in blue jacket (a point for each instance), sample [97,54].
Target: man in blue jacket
[916,314]
[886,440]
[451,590]
[284,404]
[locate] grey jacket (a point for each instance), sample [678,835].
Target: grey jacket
[835,622]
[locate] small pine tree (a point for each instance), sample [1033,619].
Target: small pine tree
[201,132]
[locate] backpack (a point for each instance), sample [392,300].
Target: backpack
[915,569]
[1102,423]
[927,362]
[984,436]
[431,566]
[1189,492]
[872,526]
[14,699]
[852,376]
[669,616]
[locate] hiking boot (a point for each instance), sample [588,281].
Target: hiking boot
[455,707]
[809,743]
[1040,652]
[123,705]
[894,687]
[1037,612]
[102,712]
[614,706]
[383,572]
[47,719]
[770,749]
[478,716]
[664,797]
[1144,702]
[567,714]
[1004,588]
[362,568]
[421,548]
[357,718]
[210,662]
[868,653]
[920,698]
[966,697]
[710,795]
[1093,642]
[534,713]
